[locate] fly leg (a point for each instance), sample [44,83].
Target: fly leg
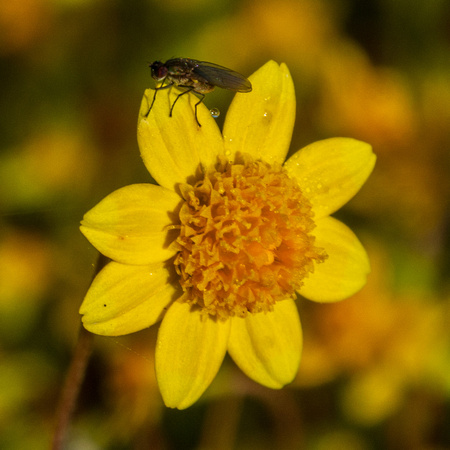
[188,89]
[198,103]
[154,96]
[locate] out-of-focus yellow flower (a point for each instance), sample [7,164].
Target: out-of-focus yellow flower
[368,102]
[385,344]
[221,247]
[23,23]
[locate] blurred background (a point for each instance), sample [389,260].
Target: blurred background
[375,372]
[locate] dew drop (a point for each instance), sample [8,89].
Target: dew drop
[267,116]
[214,112]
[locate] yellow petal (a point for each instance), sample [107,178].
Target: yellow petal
[260,123]
[131,224]
[267,347]
[189,353]
[123,299]
[331,172]
[345,271]
[175,148]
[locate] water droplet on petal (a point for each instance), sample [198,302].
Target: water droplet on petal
[215,112]
[267,116]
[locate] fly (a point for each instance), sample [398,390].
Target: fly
[200,77]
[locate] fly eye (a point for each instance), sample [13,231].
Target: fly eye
[159,70]
[162,72]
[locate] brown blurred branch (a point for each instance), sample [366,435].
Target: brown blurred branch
[74,379]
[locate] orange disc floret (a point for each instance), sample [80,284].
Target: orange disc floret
[245,240]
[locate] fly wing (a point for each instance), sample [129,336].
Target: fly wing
[222,77]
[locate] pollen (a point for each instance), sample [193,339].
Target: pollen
[246,239]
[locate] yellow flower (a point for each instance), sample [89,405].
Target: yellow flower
[220,248]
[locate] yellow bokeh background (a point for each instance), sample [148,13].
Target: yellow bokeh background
[375,371]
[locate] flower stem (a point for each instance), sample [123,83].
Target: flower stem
[74,378]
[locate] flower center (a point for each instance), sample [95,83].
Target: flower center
[245,240]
